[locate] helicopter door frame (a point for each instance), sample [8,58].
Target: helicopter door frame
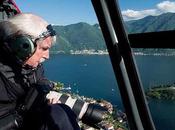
[129,83]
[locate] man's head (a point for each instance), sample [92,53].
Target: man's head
[28,37]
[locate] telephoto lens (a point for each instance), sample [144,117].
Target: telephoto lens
[88,113]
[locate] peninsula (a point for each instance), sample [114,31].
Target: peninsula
[165,92]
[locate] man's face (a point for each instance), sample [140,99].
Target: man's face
[41,53]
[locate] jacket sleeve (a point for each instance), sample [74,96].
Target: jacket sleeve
[6,102]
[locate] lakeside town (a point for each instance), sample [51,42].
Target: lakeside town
[113,118]
[89,52]
[105,52]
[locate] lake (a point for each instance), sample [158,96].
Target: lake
[92,76]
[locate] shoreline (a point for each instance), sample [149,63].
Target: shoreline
[106,53]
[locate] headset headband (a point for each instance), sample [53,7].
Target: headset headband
[50,32]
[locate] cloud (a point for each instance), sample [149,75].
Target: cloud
[166,6]
[133,15]
[163,7]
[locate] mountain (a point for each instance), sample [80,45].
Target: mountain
[162,22]
[81,36]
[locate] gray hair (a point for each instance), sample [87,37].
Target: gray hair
[24,23]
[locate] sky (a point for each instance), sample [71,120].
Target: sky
[65,12]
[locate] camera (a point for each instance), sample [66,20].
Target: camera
[88,113]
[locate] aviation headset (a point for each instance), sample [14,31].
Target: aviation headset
[23,46]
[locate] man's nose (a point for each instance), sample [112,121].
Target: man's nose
[46,55]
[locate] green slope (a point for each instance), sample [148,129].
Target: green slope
[82,36]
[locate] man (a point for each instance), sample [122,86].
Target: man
[25,40]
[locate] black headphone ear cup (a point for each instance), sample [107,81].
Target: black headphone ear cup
[21,46]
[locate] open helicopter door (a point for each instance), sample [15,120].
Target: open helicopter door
[124,67]
[8,8]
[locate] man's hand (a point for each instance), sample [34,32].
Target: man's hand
[53,97]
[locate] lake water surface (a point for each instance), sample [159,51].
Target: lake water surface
[92,76]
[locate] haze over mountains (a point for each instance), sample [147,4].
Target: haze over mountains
[83,36]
